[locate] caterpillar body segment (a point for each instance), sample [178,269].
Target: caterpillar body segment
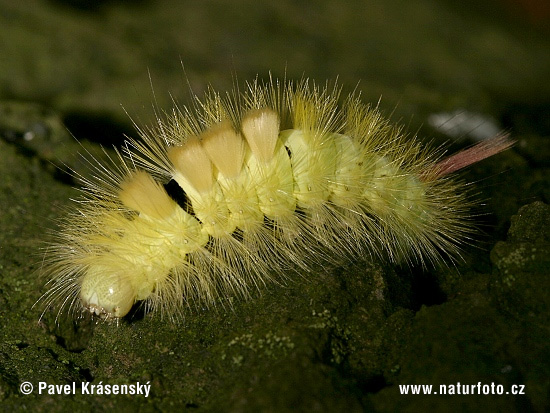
[272,179]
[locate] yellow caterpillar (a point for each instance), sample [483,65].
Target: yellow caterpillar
[220,198]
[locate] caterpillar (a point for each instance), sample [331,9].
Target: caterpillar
[220,197]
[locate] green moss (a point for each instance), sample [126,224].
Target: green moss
[270,345]
[522,279]
[340,336]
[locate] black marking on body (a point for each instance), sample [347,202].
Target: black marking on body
[177,193]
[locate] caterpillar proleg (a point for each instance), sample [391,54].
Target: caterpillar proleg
[221,196]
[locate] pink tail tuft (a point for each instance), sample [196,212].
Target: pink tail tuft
[471,155]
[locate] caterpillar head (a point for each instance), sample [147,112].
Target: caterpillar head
[107,294]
